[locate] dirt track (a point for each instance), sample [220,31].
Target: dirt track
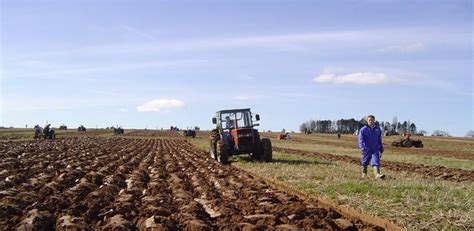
[439,172]
[164,184]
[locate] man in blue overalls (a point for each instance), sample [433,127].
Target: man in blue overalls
[370,144]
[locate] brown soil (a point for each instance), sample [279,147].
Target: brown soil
[137,184]
[439,172]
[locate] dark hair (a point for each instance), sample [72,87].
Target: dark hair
[371,116]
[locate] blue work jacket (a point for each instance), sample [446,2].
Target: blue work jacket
[370,139]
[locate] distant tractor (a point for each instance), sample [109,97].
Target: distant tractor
[45,133]
[407,142]
[189,132]
[284,136]
[62,127]
[118,131]
[235,134]
[81,128]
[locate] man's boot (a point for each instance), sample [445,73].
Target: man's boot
[377,173]
[364,171]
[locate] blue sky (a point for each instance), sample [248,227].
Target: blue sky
[160,63]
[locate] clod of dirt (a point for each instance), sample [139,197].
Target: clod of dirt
[70,223]
[196,225]
[37,220]
[117,222]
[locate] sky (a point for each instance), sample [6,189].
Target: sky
[156,64]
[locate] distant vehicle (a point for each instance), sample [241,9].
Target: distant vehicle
[45,133]
[284,136]
[118,131]
[62,127]
[235,134]
[407,142]
[189,132]
[81,128]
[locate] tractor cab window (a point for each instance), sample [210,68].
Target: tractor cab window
[245,120]
[236,120]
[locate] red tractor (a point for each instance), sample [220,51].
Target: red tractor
[407,142]
[284,136]
[235,134]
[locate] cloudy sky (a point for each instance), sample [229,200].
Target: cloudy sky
[155,64]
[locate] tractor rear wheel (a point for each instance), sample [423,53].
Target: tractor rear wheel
[267,150]
[222,155]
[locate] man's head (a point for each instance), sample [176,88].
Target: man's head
[371,120]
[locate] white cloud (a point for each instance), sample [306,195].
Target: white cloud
[28,103]
[49,71]
[137,32]
[160,104]
[282,42]
[244,77]
[404,48]
[243,98]
[358,78]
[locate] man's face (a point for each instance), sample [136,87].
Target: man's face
[371,121]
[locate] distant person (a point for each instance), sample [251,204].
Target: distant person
[338,135]
[38,131]
[370,144]
[46,130]
[406,136]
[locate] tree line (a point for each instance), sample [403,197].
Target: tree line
[351,126]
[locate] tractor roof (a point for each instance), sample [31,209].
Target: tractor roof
[233,110]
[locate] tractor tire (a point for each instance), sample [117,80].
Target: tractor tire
[419,145]
[214,134]
[407,143]
[222,154]
[257,153]
[267,150]
[395,143]
[213,149]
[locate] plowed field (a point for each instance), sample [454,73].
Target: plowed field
[164,184]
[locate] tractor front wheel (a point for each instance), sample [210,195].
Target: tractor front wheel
[267,150]
[222,155]
[257,153]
